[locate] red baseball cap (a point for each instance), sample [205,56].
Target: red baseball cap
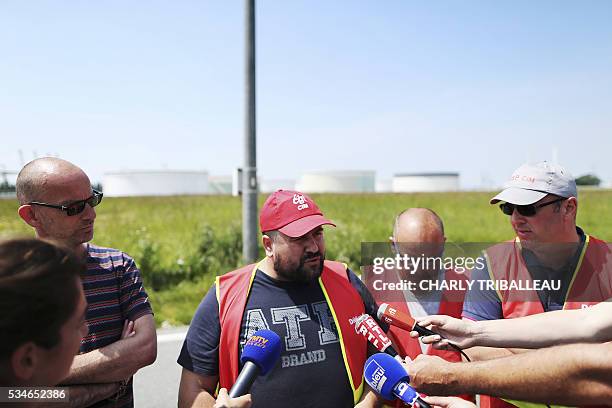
[292,213]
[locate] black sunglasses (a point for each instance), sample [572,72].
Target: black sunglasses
[76,207]
[526,210]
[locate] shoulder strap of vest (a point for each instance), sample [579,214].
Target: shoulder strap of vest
[496,254]
[345,304]
[453,296]
[232,293]
[586,247]
[339,268]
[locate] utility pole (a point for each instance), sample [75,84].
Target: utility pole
[249,172]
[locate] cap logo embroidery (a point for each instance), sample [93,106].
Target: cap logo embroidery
[300,201]
[529,179]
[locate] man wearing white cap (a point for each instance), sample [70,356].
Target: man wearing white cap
[550,265]
[309,302]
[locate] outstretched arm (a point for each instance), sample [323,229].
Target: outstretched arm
[575,374]
[542,330]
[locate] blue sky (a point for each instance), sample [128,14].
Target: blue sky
[476,87]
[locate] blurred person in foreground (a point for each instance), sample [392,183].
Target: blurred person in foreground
[554,262]
[43,312]
[309,302]
[57,200]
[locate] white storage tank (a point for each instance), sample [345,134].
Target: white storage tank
[384,185]
[350,181]
[425,182]
[220,184]
[271,185]
[155,183]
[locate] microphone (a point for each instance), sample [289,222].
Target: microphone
[392,316]
[259,355]
[389,379]
[367,327]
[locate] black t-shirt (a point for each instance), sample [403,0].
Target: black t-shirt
[311,371]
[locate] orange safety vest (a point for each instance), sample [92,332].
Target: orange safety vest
[591,284]
[343,300]
[451,304]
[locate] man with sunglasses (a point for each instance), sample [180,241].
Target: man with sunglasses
[541,201]
[56,199]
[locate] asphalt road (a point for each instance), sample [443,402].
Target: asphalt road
[156,386]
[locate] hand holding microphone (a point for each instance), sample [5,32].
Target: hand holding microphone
[449,402]
[397,318]
[458,331]
[429,374]
[260,354]
[387,377]
[461,333]
[225,401]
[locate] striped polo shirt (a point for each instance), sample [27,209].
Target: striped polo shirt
[114,291]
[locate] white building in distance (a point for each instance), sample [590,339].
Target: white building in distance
[220,184]
[155,183]
[271,185]
[425,182]
[350,181]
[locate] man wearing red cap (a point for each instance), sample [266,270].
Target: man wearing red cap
[309,302]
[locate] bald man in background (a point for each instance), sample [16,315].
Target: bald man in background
[57,200]
[419,233]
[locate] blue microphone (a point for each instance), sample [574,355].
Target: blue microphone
[259,355]
[385,375]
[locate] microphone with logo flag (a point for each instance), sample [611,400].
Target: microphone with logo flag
[259,355]
[394,317]
[385,375]
[397,318]
[367,327]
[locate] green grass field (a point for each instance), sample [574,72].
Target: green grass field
[181,243]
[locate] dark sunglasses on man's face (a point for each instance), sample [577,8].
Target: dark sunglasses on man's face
[76,207]
[526,210]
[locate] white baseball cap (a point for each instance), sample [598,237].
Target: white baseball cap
[533,181]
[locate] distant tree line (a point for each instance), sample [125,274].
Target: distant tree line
[588,180]
[6,187]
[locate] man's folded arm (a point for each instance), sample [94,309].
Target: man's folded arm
[117,361]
